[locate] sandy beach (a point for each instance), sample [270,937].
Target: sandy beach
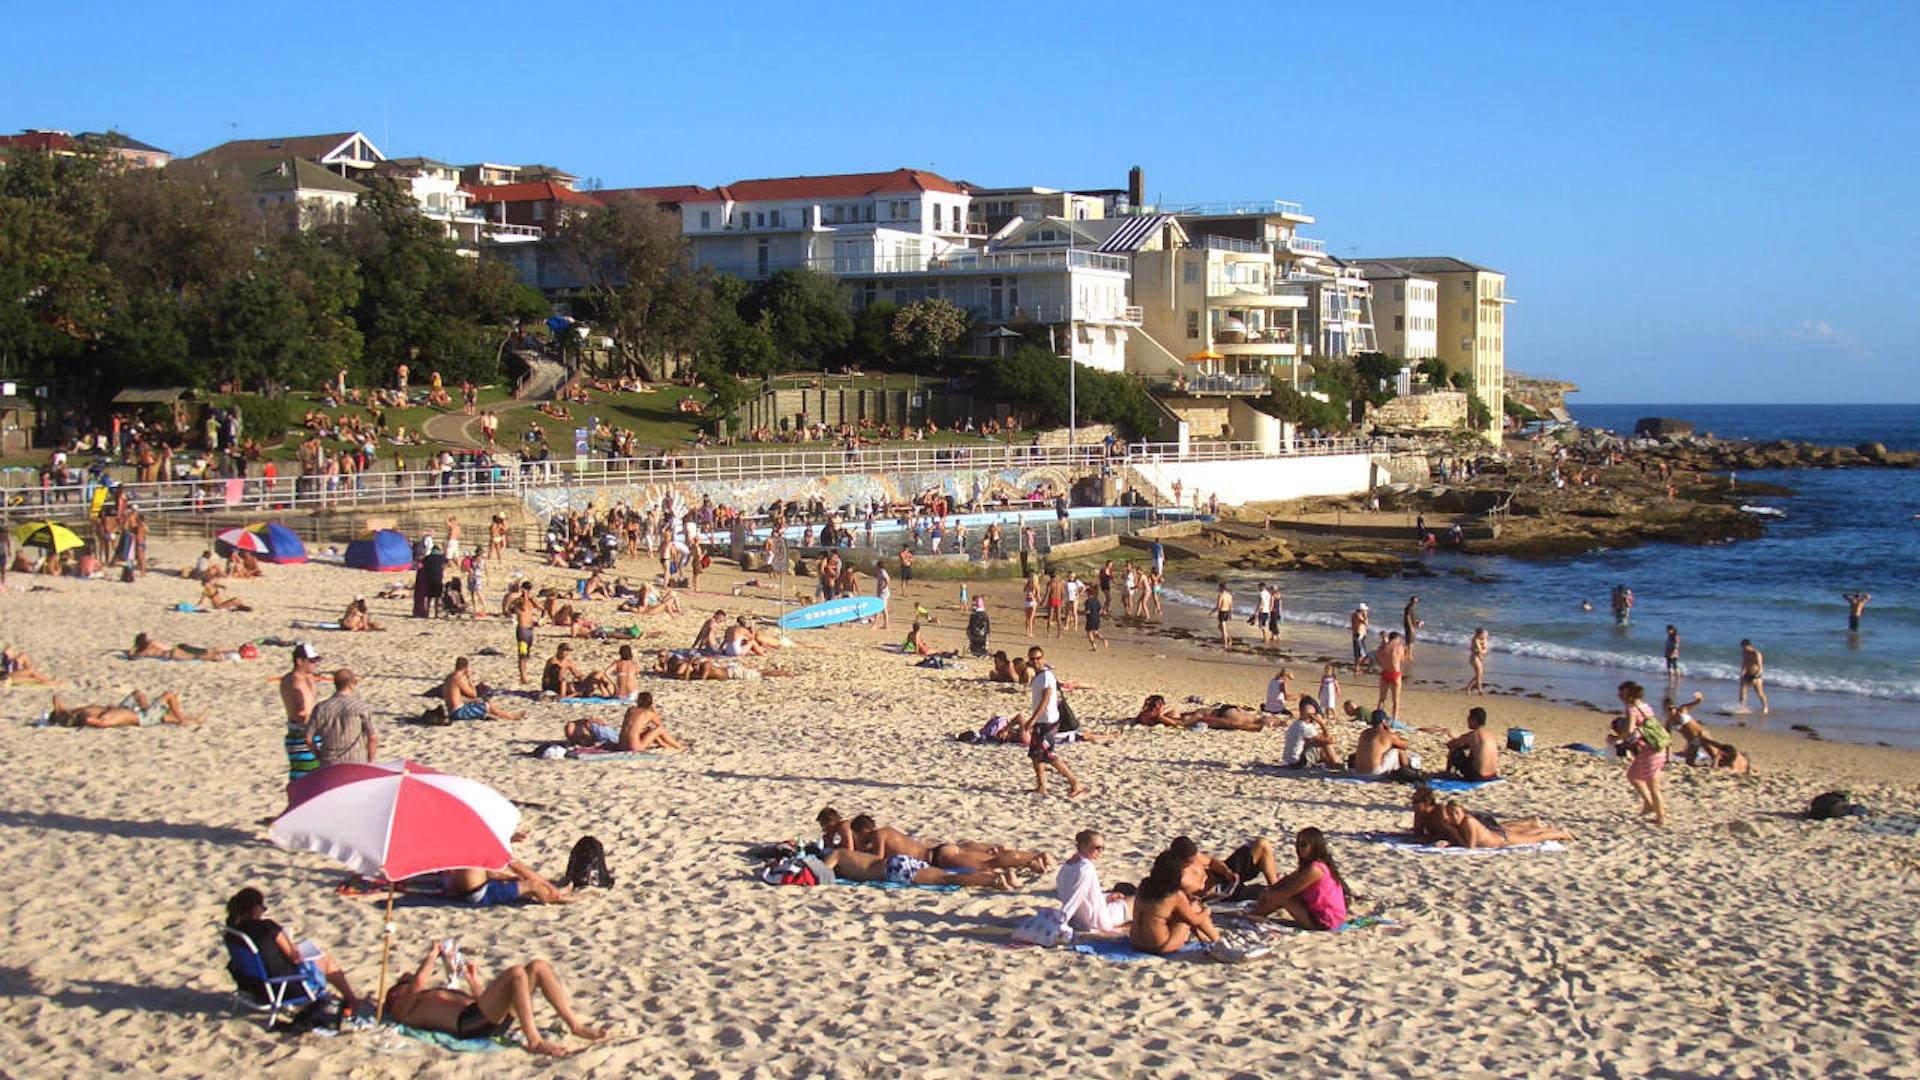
[1739,940]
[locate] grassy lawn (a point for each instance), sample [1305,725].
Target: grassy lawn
[651,416]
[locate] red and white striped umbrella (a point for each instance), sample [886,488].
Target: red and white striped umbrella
[244,540]
[396,819]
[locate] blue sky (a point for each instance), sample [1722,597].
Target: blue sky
[1694,201]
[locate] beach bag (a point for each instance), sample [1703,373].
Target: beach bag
[587,866]
[1832,804]
[799,870]
[1047,927]
[435,716]
[1068,721]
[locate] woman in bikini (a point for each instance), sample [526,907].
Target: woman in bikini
[1165,916]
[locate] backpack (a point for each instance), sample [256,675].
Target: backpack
[435,716]
[1068,721]
[1831,804]
[587,866]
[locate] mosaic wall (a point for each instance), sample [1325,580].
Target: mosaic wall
[856,489]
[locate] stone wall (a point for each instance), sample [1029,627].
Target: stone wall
[1444,410]
[1413,469]
[1086,435]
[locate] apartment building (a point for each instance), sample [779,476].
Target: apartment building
[1406,310]
[435,187]
[1218,315]
[1471,303]
[849,223]
[111,145]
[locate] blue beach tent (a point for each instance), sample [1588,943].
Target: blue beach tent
[386,551]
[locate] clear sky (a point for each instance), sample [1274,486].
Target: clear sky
[1714,202]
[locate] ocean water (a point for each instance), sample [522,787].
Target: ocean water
[1843,530]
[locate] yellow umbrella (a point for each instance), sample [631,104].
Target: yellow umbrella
[1209,354]
[47,534]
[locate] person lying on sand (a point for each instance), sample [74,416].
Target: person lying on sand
[214,595]
[651,600]
[887,842]
[1008,669]
[1314,896]
[906,870]
[517,884]
[466,700]
[560,614]
[134,710]
[1156,711]
[698,669]
[17,667]
[1165,915]
[357,617]
[1458,828]
[145,648]
[643,729]
[564,678]
[486,1012]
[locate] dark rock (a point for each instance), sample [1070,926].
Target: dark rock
[1872,451]
[1661,427]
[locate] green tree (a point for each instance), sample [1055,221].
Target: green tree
[53,292]
[636,279]
[1377,372]
[1433,369]
[928,327]
[806,313]
[873,333]
[730,342]
[1305,410]
[1034,383]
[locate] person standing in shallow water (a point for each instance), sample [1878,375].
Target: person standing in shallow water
[1856,607]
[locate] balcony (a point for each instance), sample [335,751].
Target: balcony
[1255,208]
[1254,294]
[1232,243]
[1209,383]
[1056,259]
[502,233]
[1305,245]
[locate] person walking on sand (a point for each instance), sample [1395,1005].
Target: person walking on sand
[1477,658]
[883,589]
[1042,723]
[1856,606]
[1410,622]
[1753,672]
[1391,655]
[1094,607]
[526,616]
[1223,614]
[1644,738]
[1357,624]
[1030,598]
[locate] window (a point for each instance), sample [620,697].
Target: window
[1467,286]
[1399,322]
[773,218]
[760,218]
[1193,324]
[706,219]
[1399,292]
[1466,314]
[539,211]
[1190,272]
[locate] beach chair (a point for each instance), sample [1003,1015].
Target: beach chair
[284,993]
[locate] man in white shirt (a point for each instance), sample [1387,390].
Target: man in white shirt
[1262,611]
[1306,742]
[1083,904]
[1075,588]
[1042,722]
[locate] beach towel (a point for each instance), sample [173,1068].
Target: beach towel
[1120,950]
[450,1042]
[1583,748]
[595,753]
[1421,847]
[1438,783]
[185,608]
[308,624]
[595,701]
[895,885]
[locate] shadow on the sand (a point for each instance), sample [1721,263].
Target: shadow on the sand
[942,924]
[101,996]
[144,830]
[858,781]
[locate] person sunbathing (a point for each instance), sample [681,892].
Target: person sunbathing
[564,678]
[700,668]
[205,568]
[906,870]
[134,710]
[145,648]
[886,841]
[467,700]
[17,667]
[1223,717]
[560,614]
[516,884]
[357,617]
[642,729]
[652,600]
[1165,915]
[918,645]
[712,633]
[1083,903]
[1474,754]
[213,595]
[1381,751]
[242,564]
[739,640]
[485,1012]
[597,587]
[1458,828]
[1314,896]
[247,913]
[1009,669]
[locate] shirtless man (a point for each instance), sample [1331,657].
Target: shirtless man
[1460,829]
[485,1012]
[886,841]
[643,729]
[526,616]
[1475,754]
[562,614]
[918,645]
[1390,656]
[145,648]
[564,678]
[624,674]
[1753,672]
[1223,614]
[1411,622]
[1357,624]
[597,587]
[1008,669]
[713,633]
[299,691]
[516,884]
[906,870]
[134,710]
[357,617]
[1380,750]
[463,698]
[1856,607]
[1156,711]
[1702,749]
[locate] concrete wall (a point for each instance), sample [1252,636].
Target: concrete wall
[1248,424]
[1206,418]
[1411,469]
[1241,482]
[784,408]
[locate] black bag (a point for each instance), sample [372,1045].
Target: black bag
[1068,721]
[1831,804]
[587,866]
[435,716]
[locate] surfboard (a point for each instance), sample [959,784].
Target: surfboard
[830,612]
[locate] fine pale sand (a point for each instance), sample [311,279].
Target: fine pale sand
[1739,940]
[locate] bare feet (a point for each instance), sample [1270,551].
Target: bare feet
[593,1034]
[1076,791]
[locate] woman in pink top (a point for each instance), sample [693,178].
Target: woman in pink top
[1314,895]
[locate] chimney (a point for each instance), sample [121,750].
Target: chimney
[1136,188]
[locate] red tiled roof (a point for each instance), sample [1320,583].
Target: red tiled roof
[672,193]
[531,191]
[839,186]
[41,141]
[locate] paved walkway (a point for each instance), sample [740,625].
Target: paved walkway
[458,430]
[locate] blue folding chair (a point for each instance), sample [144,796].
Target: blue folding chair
[284,993]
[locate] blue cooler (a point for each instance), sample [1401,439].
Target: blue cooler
[1519,739]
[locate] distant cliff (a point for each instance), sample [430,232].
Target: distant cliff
[1539,394]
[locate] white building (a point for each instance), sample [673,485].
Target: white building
[852,223]
[1406,310]
[435,187]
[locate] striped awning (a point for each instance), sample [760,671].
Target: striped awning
[1134,234]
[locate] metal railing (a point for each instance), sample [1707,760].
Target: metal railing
[259,495]
[1228,209]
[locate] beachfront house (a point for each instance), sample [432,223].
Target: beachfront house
[1406,310]
[1471,312]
